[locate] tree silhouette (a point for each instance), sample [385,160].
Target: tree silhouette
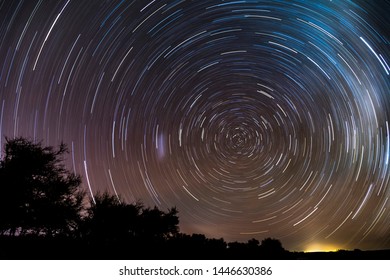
[39,196]
[272,247]
[158,224]
[112,223]
[110,220]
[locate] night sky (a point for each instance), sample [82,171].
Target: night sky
[254,118]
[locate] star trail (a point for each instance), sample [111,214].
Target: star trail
[254,118]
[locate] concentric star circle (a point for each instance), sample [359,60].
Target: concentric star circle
[254,118]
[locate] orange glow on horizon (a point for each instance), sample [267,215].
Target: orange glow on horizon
[318,247]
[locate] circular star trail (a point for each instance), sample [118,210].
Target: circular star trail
[255,118]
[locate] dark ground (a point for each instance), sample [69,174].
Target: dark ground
[17,248]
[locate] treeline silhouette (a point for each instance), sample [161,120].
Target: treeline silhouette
[45,214]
